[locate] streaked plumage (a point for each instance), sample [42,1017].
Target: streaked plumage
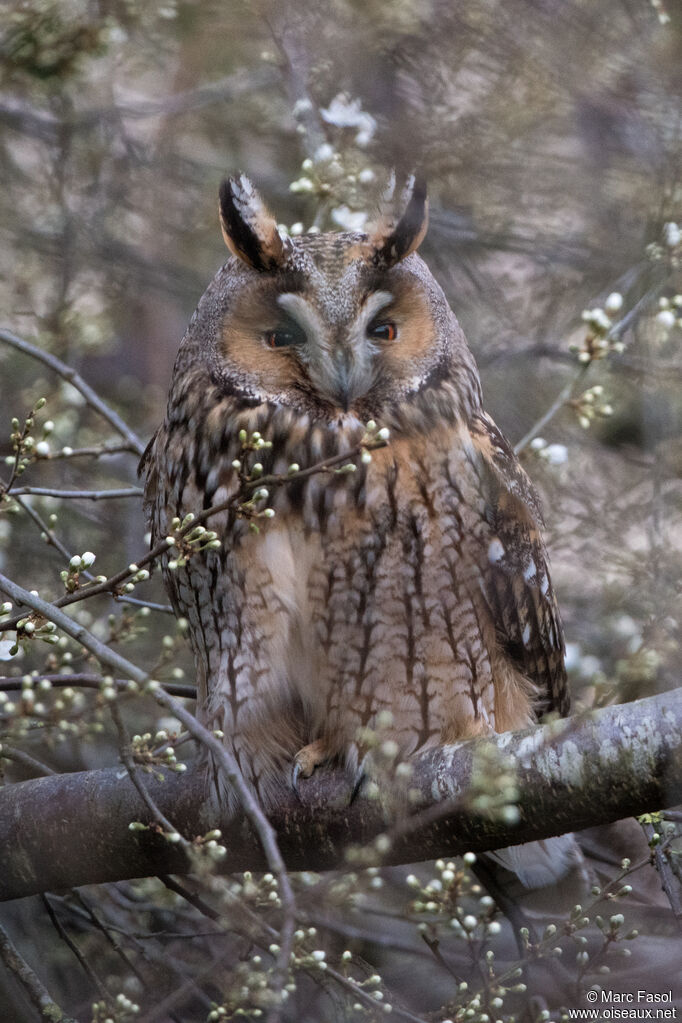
[419,584]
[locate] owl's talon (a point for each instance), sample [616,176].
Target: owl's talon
[358,781]
[306,760]
[361,774]
[295,772]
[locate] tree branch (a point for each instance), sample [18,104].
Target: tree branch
[33,986]
[76,380]
[610,764]
[77,495]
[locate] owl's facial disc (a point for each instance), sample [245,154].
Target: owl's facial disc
[340,357]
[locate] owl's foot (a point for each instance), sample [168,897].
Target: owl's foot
[306,760]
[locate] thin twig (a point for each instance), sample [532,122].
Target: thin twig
[76,495]
[59,927]
[106,929]
[165,609]
[362,996]
[134,775]
[33,986]
[9,684]
[18,756]
[76,380]
[433,945]
[223,758]
[113,582]
[93,451]
[52,538]
[162,1008]
[564,395]
[194,900]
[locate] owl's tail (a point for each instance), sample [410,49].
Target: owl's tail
[541,863]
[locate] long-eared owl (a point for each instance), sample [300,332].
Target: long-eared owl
[416,585]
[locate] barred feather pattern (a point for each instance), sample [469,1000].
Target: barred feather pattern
[418,585]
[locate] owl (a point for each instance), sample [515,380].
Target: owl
[414,590]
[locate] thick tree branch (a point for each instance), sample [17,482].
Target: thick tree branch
[72,829]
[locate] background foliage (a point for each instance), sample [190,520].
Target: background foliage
[549,134]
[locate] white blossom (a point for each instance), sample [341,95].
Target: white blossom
[555,454]
[347,113]
[349,220]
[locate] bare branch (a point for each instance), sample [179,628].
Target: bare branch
[25,759]
[76,380]
[83,680]
[33,986]
[47,127]
[93,451]
[73,947]
[564,395]
[222,756]
[76,495]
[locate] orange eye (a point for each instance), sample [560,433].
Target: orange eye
[284,337]
[383,331]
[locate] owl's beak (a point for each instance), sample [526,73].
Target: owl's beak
[344,397]
[345,389]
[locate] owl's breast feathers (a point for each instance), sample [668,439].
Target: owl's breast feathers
[454,504]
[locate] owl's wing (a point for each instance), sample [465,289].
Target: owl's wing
[515,571]
[152,501]
[147,467]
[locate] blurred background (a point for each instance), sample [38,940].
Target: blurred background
[549,133]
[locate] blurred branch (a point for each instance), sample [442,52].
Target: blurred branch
[33,986]
[25,759]
[564,395]
[165,609]
[610,764]
[615,332]
[44,125]
[94,451]
[224,760]
[134,443]
[287,32]
[73,947]
[53,540]
[51,537]
[86,681]
[76,495]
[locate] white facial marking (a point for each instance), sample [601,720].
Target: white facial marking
[305,316]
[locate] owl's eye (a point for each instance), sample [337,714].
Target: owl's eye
[285,336]
[383,331]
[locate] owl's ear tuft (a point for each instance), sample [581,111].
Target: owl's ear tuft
[402,224]
[249,229]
